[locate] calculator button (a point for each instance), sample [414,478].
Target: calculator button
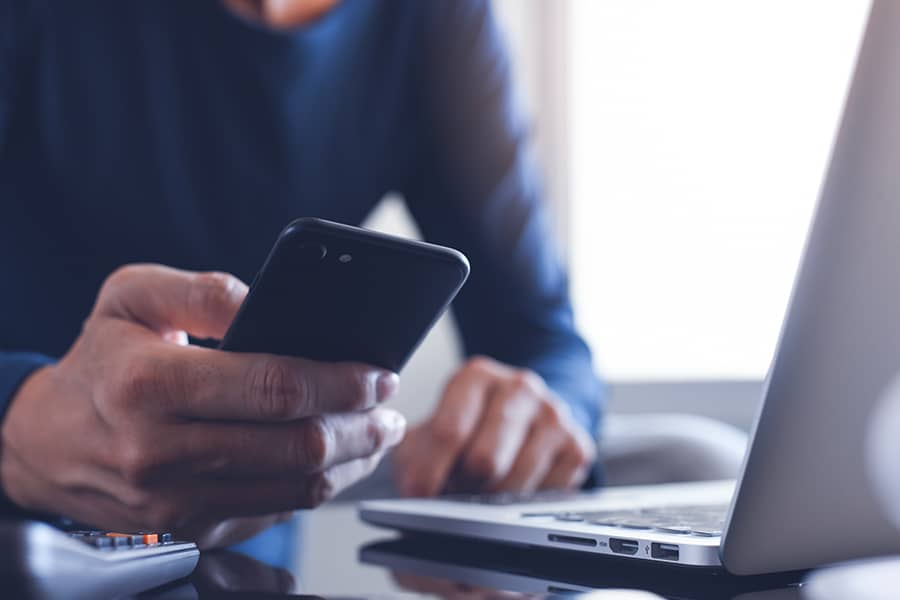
[100,541]
[130,539]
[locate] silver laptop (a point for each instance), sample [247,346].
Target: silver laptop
[803,498]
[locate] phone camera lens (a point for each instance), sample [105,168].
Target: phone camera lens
[312,252]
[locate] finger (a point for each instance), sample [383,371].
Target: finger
[201,383]
[285,450]
[571,466]
[220,499]
[534,462]
[449,430]
[501,432]
[165,299]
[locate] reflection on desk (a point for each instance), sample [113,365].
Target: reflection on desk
[438,566]
[231,575]
[450,568]
[453,568]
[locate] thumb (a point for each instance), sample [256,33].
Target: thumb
[165,299]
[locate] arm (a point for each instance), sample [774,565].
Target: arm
[480,192]
[476,189]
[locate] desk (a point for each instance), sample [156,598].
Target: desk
[342,557]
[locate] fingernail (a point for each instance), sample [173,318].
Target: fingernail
[386,385]
[395,424]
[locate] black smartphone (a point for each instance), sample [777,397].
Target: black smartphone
[332,292]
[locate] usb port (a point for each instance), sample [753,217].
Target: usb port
[664,551]
[620,546]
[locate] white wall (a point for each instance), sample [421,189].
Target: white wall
[702,131]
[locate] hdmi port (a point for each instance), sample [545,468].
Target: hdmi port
[623,546]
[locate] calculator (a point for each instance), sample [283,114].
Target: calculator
[40,561]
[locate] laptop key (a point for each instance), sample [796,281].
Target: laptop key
[635,522]
[570,517]
[676,529]
[706,532]
[606,522]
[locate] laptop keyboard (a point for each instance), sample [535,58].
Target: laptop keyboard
[704,520]
[509,498]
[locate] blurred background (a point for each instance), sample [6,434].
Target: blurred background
[683,145]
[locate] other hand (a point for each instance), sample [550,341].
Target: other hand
[133,429]
[496,428]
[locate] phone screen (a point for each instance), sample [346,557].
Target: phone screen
[330,292]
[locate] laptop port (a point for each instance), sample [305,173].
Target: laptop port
[620,546]
[571,539]
[664,551]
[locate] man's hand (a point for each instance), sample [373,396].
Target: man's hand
[496,429]
[133,429]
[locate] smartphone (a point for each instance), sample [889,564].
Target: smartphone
[332,292]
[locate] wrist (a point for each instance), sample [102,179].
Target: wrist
[13,495]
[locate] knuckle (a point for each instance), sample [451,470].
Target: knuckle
[480,364]
[312,448]
[319,489]
[212,292]
[552,415]
[277,390]
[447,432]
[375,435]
[141,378]
[527,382]
[123,275]
[138,463]
[120,279]
[357,390]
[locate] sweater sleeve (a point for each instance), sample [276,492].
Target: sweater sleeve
[475,188]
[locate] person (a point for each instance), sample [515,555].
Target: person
[149,154]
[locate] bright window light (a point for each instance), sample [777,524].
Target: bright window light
[700,134]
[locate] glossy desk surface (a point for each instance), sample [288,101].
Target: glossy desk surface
[344,558]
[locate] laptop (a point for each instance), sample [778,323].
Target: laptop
[803,498]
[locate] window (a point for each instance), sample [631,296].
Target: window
[699,132]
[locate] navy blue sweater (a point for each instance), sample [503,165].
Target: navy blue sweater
[175,132]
